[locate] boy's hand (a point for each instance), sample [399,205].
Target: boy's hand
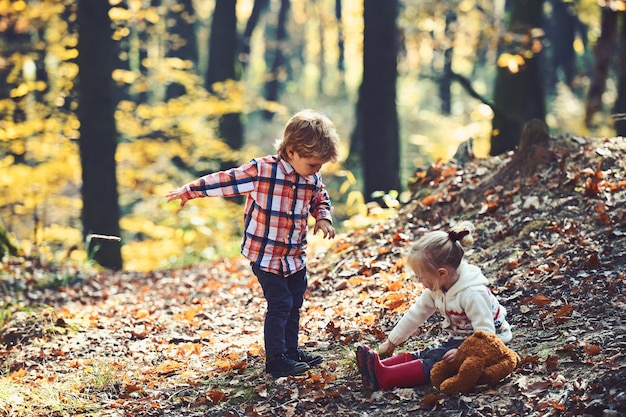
[326,227]
[174,195]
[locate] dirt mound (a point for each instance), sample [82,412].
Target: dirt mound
[551,227]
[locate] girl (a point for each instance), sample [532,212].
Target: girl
[458,290]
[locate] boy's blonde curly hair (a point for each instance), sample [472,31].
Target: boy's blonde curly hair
[312,135]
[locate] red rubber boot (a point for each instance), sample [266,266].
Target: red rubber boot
[404,375]
[397,359]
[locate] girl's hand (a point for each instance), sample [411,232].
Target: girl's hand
[174,195]
[386,349]
[326,227]
[449,355]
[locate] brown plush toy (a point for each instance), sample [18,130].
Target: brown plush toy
[482,358]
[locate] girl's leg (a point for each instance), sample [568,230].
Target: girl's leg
[430,356]
[404,375]
[397,359]
[398,371]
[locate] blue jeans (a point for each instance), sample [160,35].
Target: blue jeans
[284,296]
[430,356]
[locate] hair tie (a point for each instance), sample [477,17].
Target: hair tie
[457,236]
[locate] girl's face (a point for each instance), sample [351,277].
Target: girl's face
[441,279]
[429,281]
[304,166]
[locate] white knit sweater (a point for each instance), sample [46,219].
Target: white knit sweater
[467,306]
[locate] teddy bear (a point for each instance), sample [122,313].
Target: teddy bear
[482,358]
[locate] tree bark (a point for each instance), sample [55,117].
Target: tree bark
[341,65]
[98,133]
[182,39]
[518,95]
[278,65]
[377,99]
[603,53]
[445,81]
[8,246]
[258,8]
[223,47]
[619,108]
[563,34]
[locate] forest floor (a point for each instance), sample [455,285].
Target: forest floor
[189,342]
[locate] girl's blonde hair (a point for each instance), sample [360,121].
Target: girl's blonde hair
[312,135]
[439,249]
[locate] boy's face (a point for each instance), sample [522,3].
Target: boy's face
[304,166]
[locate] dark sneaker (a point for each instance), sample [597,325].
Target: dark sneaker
[365,362]
[283,365]
[311,359]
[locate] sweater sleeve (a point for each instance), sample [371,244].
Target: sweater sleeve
[419,312]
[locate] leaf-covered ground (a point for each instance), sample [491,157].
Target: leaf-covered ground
[188,342]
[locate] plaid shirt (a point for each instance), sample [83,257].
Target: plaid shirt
[277,209]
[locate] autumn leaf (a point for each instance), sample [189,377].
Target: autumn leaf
[592,349]
[168,367]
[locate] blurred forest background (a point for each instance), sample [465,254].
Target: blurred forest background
[105,107]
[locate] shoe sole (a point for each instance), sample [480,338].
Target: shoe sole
[315,362]
[296,371]
[366,367]
[371,371]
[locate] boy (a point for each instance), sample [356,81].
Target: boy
[281,191]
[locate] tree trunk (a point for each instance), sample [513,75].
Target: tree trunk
[223,46]
[563,34]
[341,65]
[377,99]
[619,109]
[98,134]
[259,7]
[182,39]
[8,246]
[603,52]
[519,95]
[272,87]
[446,77]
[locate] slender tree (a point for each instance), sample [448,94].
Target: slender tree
[182,38]
[278,64]
[619,108]
[258,8]
[377,119]
[519,90]
[98,133]
[445,80]
[612,39]
[223,47]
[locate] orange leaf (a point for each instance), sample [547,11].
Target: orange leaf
[541,300]
[19,373]
[190,313]
[216,396]
[592,349]
[428,200]
[168,367]
[565,310]
[394,286]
